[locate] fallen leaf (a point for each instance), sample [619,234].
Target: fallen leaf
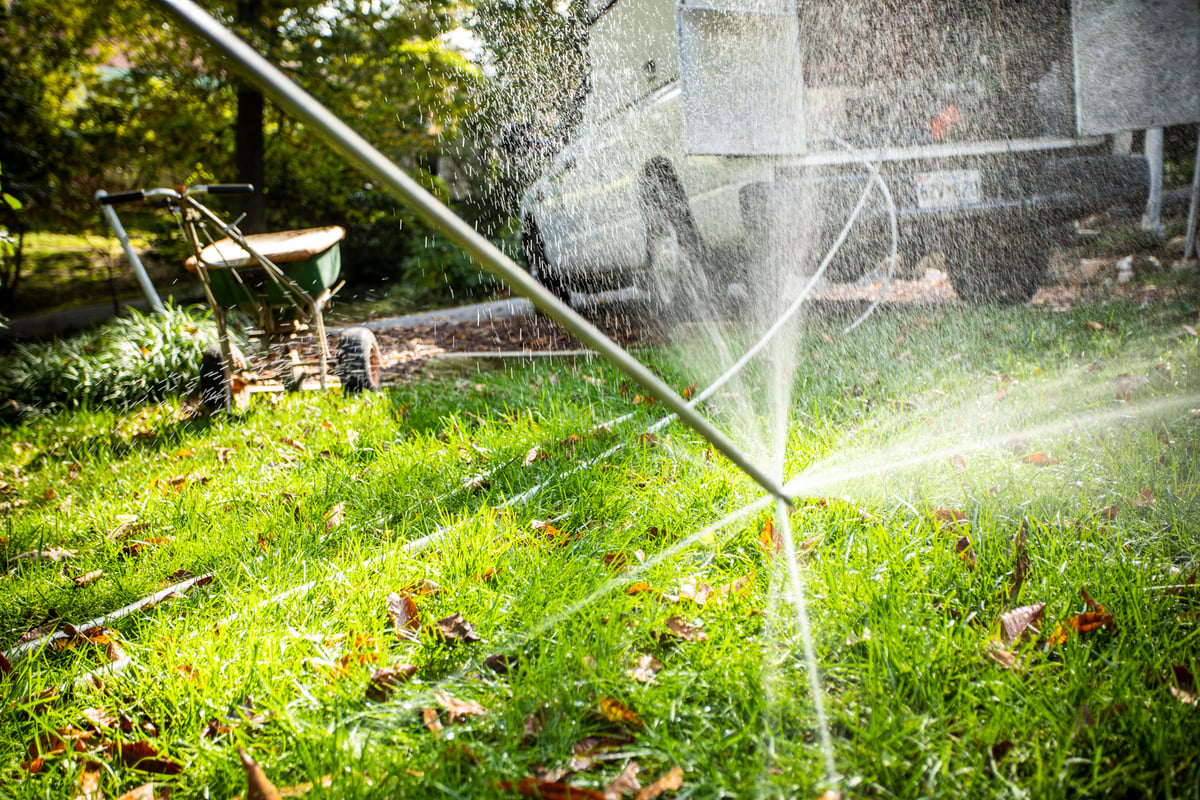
[1095,326]
[647,439]
[550,790]
[735,587]
[960,464]
[681,628]
[689,392]
[639,587]
[948,516]
[1004,658]
[670,782]
[384,681]
[423,586]
[142,756]
[534,455]
[257,785]
[1080,624]
[501,663]
[406,619]
[87,577]
[292,443]
[1183,686]
[1019,623]
[301,789]
[1125,385]
[430,717]
[644,668]
[624,783]
[1190,331]
[457,709]
[1000,749]
[88,784]
[963,549]
[53,554]
[616,561]
[1039,460]
[1142,499]
[1020,563]
[134,547]
[454,629]
[143,792]
[334,517]
[769,539]
[614,710]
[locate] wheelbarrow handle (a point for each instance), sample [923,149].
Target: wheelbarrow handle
[223,188]
[121,197]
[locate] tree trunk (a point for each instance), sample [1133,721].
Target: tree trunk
[250,149]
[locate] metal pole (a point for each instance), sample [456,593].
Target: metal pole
[361,154]
[1189,235]
[139,271]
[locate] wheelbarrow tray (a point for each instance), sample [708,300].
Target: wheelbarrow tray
[311,258]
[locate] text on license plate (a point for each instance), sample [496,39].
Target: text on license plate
[948,189]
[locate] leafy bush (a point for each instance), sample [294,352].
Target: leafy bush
[130,360]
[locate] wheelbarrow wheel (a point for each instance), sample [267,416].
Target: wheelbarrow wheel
[213,387]
[359,361]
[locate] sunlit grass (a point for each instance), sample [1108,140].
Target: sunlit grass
[309,510]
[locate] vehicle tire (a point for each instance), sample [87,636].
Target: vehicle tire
[359,361]
[214,387]
[675,276]
[534,249]
[1001,268]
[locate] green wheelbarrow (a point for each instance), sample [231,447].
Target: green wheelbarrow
[282,281]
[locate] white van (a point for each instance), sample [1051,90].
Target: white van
[714,131]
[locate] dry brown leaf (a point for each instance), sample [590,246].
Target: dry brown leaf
[502,663]
[624,783]
[614,710]
[423,586]
[301,789]
[143,792]
[769,539]
[1183,686]
[948,516]
[87,577]
[1004,658]
[534,455]
[689,392]
[1020,562]
[430,717]
[334,517]
[643,668]
[685,630]
[639,587]
[54,554]
[670,782]
[142,755]
[1142,499]
[454,629]
[963,549]
[457,709]
[1022,622]
[960,464]
[1000,749]
[1095,326]
[406,619]
[1080,624]
[87,787]
[384,681]
[616,561]
[549,790]
[647,439]
[258,787]
[1040,460]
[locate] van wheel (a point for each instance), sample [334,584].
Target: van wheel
[675,276]
[534,249]
[1003,268]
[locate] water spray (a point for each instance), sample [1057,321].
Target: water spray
[357,151]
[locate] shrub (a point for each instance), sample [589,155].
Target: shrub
[127,361]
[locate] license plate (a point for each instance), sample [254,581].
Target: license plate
[950,189]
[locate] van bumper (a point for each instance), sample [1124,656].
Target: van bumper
[1061,190]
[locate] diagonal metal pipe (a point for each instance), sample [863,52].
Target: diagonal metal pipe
[366,158]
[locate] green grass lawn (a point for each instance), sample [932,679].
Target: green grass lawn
[998,528]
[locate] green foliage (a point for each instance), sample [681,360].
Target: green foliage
[130,360]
